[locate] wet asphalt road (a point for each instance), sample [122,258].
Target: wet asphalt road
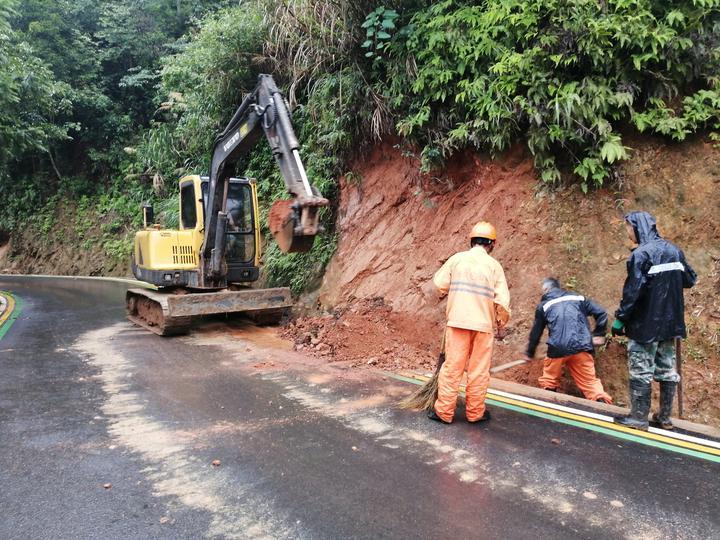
[86,399]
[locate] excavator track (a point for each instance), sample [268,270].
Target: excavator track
[168,314]
[147,312]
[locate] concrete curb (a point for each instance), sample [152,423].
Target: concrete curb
[592,406]
[584,404]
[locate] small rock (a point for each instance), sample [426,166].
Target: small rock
[372,361]
[355,448]
[215,462]
[314,341]
[107,486]
[555,441]
[164,520]
[589,495]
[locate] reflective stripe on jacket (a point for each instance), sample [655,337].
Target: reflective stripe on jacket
[475,284]
[652,305]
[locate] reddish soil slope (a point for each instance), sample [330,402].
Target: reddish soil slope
[397,227]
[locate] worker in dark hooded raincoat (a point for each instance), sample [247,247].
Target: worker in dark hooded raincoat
[652,315]
[570,340]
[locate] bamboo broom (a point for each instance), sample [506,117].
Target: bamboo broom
[423,399]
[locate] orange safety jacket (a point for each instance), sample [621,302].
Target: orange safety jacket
[478,296]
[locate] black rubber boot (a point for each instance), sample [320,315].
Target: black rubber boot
[484,418]
[432,415]
[667,395]
[640,406]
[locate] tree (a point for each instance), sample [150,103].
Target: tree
[31,101]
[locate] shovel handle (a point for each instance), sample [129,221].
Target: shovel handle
[503,367]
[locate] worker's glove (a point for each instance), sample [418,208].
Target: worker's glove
[618,328]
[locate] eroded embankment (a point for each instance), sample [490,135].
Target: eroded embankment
[397,227]
[63,250]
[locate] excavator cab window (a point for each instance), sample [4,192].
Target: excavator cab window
[240,246]
[188,211]
[240,234]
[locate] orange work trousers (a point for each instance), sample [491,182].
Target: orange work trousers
[582,369]
[465,350]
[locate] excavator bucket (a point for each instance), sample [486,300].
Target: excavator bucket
[281,220]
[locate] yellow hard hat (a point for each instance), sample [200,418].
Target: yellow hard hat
[483,229]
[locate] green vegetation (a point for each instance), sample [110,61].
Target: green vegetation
[567,77]
[108,103]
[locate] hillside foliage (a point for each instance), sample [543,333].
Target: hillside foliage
[104,105]
[567,77]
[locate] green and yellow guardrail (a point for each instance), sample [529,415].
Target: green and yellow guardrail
[673,441]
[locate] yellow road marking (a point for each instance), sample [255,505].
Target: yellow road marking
[608,425]
[594,421]
[9,309]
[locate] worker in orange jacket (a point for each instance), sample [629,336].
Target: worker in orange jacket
[478,302]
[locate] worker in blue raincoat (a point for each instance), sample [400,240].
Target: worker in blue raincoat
[652,316]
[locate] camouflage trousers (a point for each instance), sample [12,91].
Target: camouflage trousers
[655,360]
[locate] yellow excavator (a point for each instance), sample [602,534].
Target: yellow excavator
[207,265]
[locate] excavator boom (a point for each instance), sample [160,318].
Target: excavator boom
[294,224]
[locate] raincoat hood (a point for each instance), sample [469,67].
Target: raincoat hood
[644,225]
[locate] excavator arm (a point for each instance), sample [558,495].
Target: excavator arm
[294,223]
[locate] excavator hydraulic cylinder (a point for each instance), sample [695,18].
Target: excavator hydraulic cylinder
[218,252]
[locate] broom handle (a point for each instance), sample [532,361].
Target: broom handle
[441,356]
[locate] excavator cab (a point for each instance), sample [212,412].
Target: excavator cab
[242,244]
[169,258]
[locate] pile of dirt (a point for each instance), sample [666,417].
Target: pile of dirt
[397,227]
[367,334]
